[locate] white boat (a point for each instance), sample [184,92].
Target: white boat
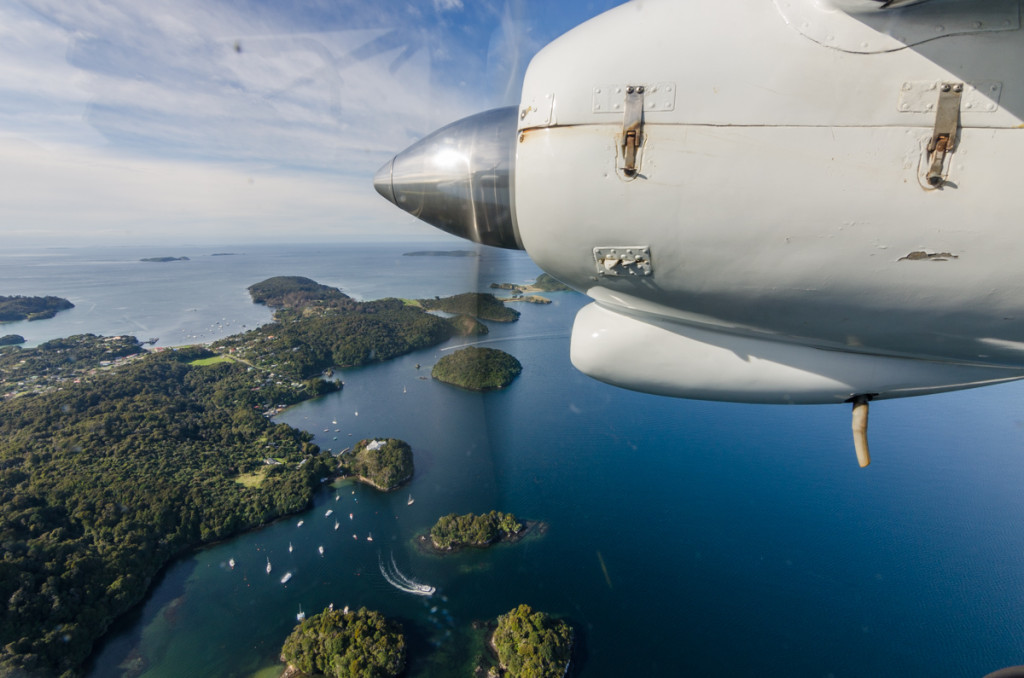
[369,537]
[320,549]
[301,615]
[336,523]
[337,497]
[286,577]
[268,565]
[411,500]
[299,524]
[355,536]
[334,421]
[329,512]
[289,547]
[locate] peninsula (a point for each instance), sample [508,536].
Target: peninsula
[476,304]
[18,307]
[285,291]
[527,293]
[360,644]
[383,463]
[477,369]
[115,461]
[317,327]
[543,283]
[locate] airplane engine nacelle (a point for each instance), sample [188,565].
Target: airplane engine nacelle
[829,190]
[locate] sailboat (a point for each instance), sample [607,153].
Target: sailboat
[289,547]
[268,566]
[336,524]
[301,615]
[411,500]
[320,549]
[369,537]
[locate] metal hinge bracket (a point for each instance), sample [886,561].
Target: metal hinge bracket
[947,120]
[627,260]
[632,128]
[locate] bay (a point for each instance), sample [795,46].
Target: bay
[685,538]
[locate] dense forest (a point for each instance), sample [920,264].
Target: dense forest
[360,644]
[478,305]
[105,480]
[532,644]
[31,308]
[452,531]
[385,463]
[477,369]
[289,291]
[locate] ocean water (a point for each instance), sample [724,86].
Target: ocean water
[684,538]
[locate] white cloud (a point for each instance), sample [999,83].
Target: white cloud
[447,5]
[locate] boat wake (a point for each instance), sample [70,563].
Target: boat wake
[401,582]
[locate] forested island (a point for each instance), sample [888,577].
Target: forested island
[31,308]
[161,260]
[531,644]
[454,531]
[384,463]
[360,644]
[476,304]
[477,369]
[11,340]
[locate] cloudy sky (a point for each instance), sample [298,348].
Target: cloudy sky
[202,121]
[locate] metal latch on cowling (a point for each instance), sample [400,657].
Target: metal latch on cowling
[632,128]
[943,141]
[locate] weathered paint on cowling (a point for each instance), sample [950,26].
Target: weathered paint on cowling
[783,193]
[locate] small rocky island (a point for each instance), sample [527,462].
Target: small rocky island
[11,340]
[529,643]
[161,260]
[18,307]
[477,369]
[361,644]
[453,531]
[383,463]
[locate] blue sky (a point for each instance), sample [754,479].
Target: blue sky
[210,121]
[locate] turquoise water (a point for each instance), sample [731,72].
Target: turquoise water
[685,538]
